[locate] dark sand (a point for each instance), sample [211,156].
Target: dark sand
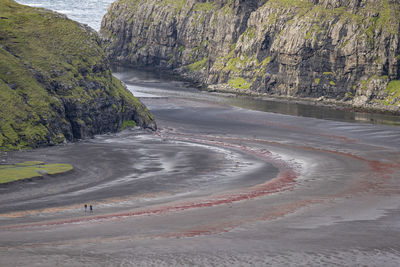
[215,186]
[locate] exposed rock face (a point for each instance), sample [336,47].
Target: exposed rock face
[343,50]
[56,83]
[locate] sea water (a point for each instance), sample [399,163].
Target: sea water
[89,12]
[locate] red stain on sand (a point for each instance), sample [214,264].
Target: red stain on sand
[276,212]
[285,180]
[282,182]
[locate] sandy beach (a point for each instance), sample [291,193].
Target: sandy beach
[216,185]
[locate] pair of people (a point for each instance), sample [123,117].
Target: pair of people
[90,208]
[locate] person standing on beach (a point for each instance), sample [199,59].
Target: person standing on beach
[91,208]
[85,207]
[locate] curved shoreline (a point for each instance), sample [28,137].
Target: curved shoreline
[199,187]
[218,88]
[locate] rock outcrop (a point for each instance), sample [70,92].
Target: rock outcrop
[56,84]
[341,50]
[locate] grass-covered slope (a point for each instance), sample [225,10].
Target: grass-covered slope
[55,82]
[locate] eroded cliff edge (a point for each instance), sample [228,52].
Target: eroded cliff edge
[340,50]
[56,84]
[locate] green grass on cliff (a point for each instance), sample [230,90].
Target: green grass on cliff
[30,169]
[239,83]
[373,17]
[205,7]
[23,104]
[393,92]
[36,46]
[45,59]
[198,65]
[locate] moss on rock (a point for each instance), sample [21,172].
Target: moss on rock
[239,83]
[393,93]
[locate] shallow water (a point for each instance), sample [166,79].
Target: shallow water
[145,83]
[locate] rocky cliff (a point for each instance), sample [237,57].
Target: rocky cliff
[55,82]
[341,50]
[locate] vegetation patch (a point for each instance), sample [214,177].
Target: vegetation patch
[198,65]
[128,124]
[250,32]
[227,9]
[30,169]
[206,6]
[393,92]
[349,95]
[239,83]
[177,5]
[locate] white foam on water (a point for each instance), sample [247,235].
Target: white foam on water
[138,91]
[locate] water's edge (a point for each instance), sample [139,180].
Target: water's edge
[302,107]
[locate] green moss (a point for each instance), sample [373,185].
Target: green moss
[250,32]
[198,65]
[327,73]
[80,122]
[206,6]
[176,5]
[317,81]
[366,82]
[171,58]
[239,83]
[314,30]
[393,86]
[349,95]
[200,47]
[290,3]
[332,83]
[232,65]
[265,62]
[131,4]
[30,169]
[308,35]
[128,124]
[227,9]
[370,31]
[393,92]
[344,44]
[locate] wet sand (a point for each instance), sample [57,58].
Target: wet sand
[215,185]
